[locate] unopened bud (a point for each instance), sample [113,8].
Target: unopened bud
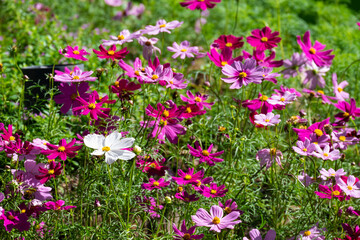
[328,128]
[137,149]
[168,199]
[25,77]
[207,83]
[302,113]
[131,102]
[97,203]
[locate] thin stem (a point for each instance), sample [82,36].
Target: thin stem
[113,189]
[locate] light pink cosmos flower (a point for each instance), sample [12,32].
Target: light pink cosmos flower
[175,81]
[325,153]
[305,179]
[161,26]
[148,46]
[114,3]
[284,99]
[339,88]
[123,37]
[154,76]
[199,4]
[133,72]
[77,75]
[255,235]
[304,148]
[269,119]
[183,50]
[215,219]
[267,156]
[74,53]
[199,100]
[314,75]
[327,174]
[342,140]
[351,187]
[240,74]
[313,233]
[294,65]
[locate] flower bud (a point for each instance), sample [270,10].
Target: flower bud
[97,203]
[328,128]
[137,149]
[168,199]
[207,83]
[302,113]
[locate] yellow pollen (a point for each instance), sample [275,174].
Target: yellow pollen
[116,83]
[61,149]
[106,149]
[183,50]
[312,50]
[213,191]
[321,92]
[304,149]
[197,99]
[50,160]
[326,154]
[156,184]
[264,98]
[165,113]
[163,123]
[76,78]
[152,165]
[187,236]
[162,25]
[137,73]
[23,210]
[198,183]
[171,82]
[336,193]
[216,220]
[307,233]
[180,189]
[71,73]
[316,143]
[121,37]
[302,127]
[154,77]
[91,106]
[111,52]
[228,44]
[333,174]
[188,110]
[12,138]
[318,132]
[267,120]
[76,52]
[264,39]
[227,210]
[349,187]
[339,89]
[346,114]
[11,217]
[342,138]
[187,177]
[282,99]
[205,153]
[221,129]
[243,75]
[223,63]
[51,171]
[273,151]
[73,96]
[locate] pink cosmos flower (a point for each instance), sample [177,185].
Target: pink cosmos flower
[153,76]
[351,187]
[205,155]
[317,128]
[68,95]
[77,75]
[74,53]
[269,119]
[339,92]
[155,184]
[161,26]
[326,154]
[304,148]
[294,66]
[174,81]
[199,4]
[283,99]
[63,150]
[186,197]
[20,150]
[185,233]
[224,58]
[153,167]
[263,39]
[92,106]
[215,219]
[15,220]
[240,74]
[183,50]
[313,233]
[269,76]
[314,75]
[262,60]
[230,206]
[313,52]
[262,103]
[189,177]
[267,156]
[349,110]
[190,111]
[198,100]
[255,235]
[200,182]
[123,37]
[111,53]
[148,46]
[131,10]
[58,205]
[114,3]
[51,171]
[133,72]
[124,89]
[327,174]
[229,41]
[334,192]
[342,140]
[213,190]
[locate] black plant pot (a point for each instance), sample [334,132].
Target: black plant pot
[37,87]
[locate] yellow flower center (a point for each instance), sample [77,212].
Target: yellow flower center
[11,138]
[223,63]
[23,210]
[137,73]
[321,92]
[73,96]
[264,39]
[333,174]
[76,78]
[342,138]
[183,50]
[121,37]
[154,77]
[312,50]
[264,98]
[273,151]
[111,52]
[304,149]
[61,149]
[171,82]
[180,189]
[318,132]
[228,44]
[221,129]
[165,113]
[156,184]
[227,210]
[243,75]
[152,165]
[336,193]
[105,149]
[198,183]
[307,233]
[205,153]
[213,191]
[11,217]
[326,154]
[197,99]
[282,99]
[188,110]
[349,187]
[216,220]
[50,160]
[162,25]
[339,89]
[346,114]
[162,123]
[187,177]
[187,236]
[91,106]
[267,120]
[51,171]
[76,52]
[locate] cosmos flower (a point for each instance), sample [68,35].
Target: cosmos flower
[123,37]
[326,174]
[186,197]
[155,184]
[76,75]
[255,235]
[283,99]
[326,154]
[224,58]
[339,92]
[333,192]
[294,65]
[93,106]
[189,177]
[314,75]
[269,119]
[213,191]
[304,148]
[51,171]
[185,234]
[111,53]
[68,96]
[349,110]
[148,46]
[199,99]
[63,150]
[205,155]
[267,157]
[58,205]
[229,41]
[124,89]
[263,39]
[74,53]
[199,4]
[161,26]
[351,187]
[183,50]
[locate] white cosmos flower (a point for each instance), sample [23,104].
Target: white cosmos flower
[112,146]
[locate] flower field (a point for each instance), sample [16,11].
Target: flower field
[189,119]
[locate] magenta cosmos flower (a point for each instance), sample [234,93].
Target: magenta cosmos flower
[224,58]
[349,110]
[229,41]
[76,75]
[255,235]
[263,39]
[63,150]
[133,72]
[267,156]
[314,53]
[68,95]
[161,26]
[15,220]
[205,155]
[124,89]
[189,177]
[199,4]
[93,106]
[74,53]
[240,74]
[339,92]
[198,100]
[183,50]
[111,53]
[230,206]
[186,197]
[215,219]
[185,234]
[213,191]
[51,171]
[155,184]
[269,119]
[333,192]
[58,205]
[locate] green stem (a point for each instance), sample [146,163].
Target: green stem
[113,189]
[129,190]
